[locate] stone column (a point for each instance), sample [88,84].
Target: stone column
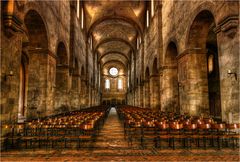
[75,92]
[169,89]
[38,86]
[137,96]
[83,94]
[50,84]
[147,94]
[141,93]
[88,94]
[62,103]
[134,96]
[154,92]
[193,80]
[228,56]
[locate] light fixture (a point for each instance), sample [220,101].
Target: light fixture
[232,73]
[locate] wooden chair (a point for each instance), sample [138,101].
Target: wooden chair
[163,134]
[232,135]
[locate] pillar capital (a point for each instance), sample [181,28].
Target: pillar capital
[228,26]
[192,51]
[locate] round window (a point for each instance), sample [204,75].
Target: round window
[113,71]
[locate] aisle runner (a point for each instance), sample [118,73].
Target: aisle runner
[112,133]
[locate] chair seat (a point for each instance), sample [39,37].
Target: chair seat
[150,136]
[28,137]
[179,136]
[85,137]
[164,136]
[71,137]
[54,137]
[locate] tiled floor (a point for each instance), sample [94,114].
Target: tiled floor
[111,146]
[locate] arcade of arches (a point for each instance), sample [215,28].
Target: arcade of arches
[172,56]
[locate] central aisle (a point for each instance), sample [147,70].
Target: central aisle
[112,133]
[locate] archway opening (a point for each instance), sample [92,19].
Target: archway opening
[37,67]
[202,38]
[154,86]
[76,77]
[83,88]
[171,92]
[213,75]
[147,88]
[62,68]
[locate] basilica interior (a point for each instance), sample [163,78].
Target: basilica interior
[93,80]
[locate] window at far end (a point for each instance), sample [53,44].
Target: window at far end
[210,64]
[113,71]
[78,7]
[107,84]
[147,18]
[152,8]
[120,84]
[82,18]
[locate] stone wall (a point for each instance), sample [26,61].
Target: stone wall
[36,31]
[178,17]
[184,84]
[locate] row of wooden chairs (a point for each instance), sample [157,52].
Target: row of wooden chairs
[76,127]
[145,126]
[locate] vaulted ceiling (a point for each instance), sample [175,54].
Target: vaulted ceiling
[114,27]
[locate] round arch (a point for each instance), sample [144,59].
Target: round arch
[114,39]
[62,70]
[115,17]
[110,52]
[116,61]
[36,27]
[205,7]
[171,54]
[155,66]
[147,73]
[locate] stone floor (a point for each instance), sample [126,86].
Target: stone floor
[110,145]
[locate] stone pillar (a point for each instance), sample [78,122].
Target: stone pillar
[50,84]
[228,56]
[62,103]
[169,89]
[147,94]
[83,94]
[88,94]
[10,63]
[141,93]
[38,86]
[137,96]
[193,80]
[75,97]
[134,96]
[154,92]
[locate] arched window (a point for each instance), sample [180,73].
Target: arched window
[147,18]
[78,7]
[107,84]
[82,18]
[120,84]
[210,64]
[152,8]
